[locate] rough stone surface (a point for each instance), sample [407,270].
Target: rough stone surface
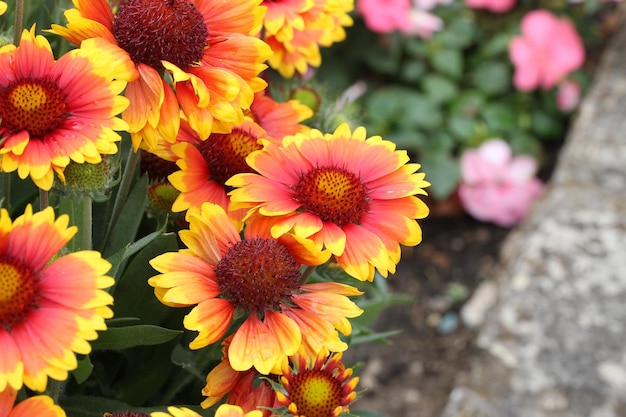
[554,342]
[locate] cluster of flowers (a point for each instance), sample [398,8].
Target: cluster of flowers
[266,198]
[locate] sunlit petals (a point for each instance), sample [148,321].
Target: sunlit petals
[211,318]
[263,345]
[38,405]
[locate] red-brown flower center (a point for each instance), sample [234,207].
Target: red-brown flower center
[152,31]
[35,105]
[257,274]
[334,194]
[226,154]
[18,292]
[315,393]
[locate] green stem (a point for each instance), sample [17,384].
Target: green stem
[5,191]
[19,21]
[306,274]
[55,389]
[123,190]
[87,226]
[44,199]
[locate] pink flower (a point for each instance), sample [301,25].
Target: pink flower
[497,187]
[548,49]
[384,16]
[568,95]
[496,6]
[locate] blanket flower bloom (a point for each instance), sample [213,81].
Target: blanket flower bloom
[548,49]
[206,165]
[222,274]
[49,310]
[191,40]
[224,410]
[47,112]
[242,388]
[295,30]
[497,187]
[324,388]
[279,119]
[38,405]
[496,6]
[352,195]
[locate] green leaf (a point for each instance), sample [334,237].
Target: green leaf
[442,171]
[116,338]
[133,296]
[439,88]
[449,62]
[500,119]
[468,103]
[545,125]
[83,371]
[125,229]
[412,70]
[492,77]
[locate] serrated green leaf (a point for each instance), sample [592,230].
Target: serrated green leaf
[116,338]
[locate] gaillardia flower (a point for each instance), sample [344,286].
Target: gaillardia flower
[49,309]
[52,112]
[279,119]
[352,195]
[321,389]
[224,410]
[243,389]
[38,405]
[295,30]
[193,41]
[206,165]
[258,278]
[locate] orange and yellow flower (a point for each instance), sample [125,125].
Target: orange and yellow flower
[224,410]
[205,165]
[295,30]
[193,42]
[279,119]
[219,273]
[324,388]
[49,307]
[38,405]
[243,389]
[53,112]
[352,195]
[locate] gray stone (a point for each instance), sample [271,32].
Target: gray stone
[554,342]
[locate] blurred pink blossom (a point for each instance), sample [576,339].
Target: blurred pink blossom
[568,95]
[410,18]
[497,187]
[496,6]
[548,49]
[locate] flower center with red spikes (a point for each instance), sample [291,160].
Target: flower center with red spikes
[315,393]
[226,153]
[257,274]
[35,105]
[334,194]
[18,292]
[152,31]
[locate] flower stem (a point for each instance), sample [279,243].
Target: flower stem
[123,190]
[44,199]
[306,274]
[5,191]
[87,226]
[19,21]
